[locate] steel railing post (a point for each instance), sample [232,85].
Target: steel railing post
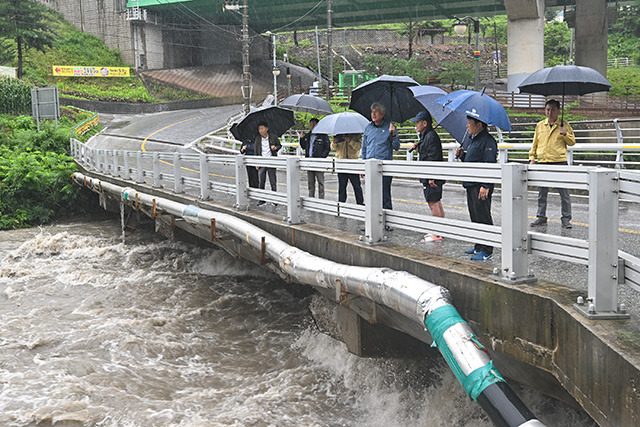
[205,192]
[139,168]
[177,174]
[373,217]
[101,161]
[515,241]
[603,241]
[126,171]
[620,141]
[293,190]
[115,163]
[156,170]
[242,200]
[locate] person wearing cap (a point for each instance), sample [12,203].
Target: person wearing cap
[429,149]
[550,143]
[478,147]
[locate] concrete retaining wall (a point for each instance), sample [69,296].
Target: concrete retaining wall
[129,108]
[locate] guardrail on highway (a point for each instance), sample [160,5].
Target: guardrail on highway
[608,267]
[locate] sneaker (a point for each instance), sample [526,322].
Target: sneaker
[538,222]
[481,256]
[428,238]
[261,202]
[566,223]
[388,228]
[274,204]
[471,251]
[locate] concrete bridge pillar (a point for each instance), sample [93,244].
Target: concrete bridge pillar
[525,34]
[591,34]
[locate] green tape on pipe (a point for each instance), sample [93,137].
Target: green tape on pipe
[441,319]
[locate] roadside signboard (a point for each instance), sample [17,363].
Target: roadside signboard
[45,104]
[82,71]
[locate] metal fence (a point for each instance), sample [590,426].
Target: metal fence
[608,267]
[610,143]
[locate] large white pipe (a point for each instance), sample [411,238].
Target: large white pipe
[405,293]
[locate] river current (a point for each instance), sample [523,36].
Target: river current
[150,332]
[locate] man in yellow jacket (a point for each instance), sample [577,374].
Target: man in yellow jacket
[550,143]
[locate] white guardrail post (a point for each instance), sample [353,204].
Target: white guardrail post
[293,190]
[515,242]
[620,140]
[139,168]
[126,171]
[373,213]
[115,163]
[602,301]
[242,201]
[177,173]
[205,191]
[156,170]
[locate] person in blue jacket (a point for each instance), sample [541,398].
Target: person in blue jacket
[478,147]
[379,140]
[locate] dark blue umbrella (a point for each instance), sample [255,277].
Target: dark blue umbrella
[452,121]
[477,105]
[392,91]
[307,104]
[278,119]
[341,123]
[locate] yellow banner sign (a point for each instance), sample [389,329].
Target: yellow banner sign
[80,71]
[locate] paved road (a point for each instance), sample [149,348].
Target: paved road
[177,130]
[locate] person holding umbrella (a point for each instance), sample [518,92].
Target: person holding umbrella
[429,149]
[348,146]
[379,140]
[266,144]
[315,145]
[479,146]
[550,142]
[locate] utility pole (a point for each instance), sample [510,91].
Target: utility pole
[246,75]
[329,47]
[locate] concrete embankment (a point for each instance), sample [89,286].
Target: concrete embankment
[535,335]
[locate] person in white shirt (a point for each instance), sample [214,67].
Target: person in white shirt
[266,145]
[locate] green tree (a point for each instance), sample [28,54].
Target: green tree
[23,22]
[557,37]
[457,73]
[624,33]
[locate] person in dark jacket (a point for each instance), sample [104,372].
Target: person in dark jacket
[266,145]
[252,173]
[429,149]
[479,147]
[315,145]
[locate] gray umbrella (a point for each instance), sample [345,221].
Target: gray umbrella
[564,80]
[341,123]
[307,104]
[392,91]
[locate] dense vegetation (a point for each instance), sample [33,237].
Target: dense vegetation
[35,171]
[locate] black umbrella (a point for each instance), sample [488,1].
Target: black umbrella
[278,119]
[308,104]
[564,80]
[393,92]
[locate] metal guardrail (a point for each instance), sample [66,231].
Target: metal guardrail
[613,143]
[607,266]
